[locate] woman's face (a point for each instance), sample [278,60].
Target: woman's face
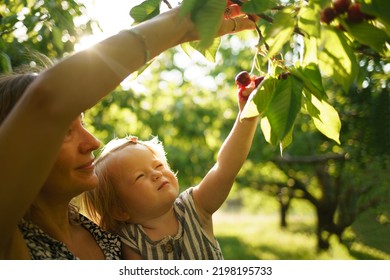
[73,172]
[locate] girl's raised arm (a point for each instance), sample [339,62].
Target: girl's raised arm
[213,190]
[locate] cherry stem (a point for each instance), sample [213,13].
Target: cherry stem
[271,20]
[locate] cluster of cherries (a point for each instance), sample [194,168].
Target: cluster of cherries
[341,7]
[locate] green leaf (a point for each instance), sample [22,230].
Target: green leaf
[337,58]
[284,106]
[274,99]
[271,137]
[210,53]
[57,38]
[259,99]
[188,7]
[311,78]
[207,20]
[266,129]
[380,9]
[5,63]
[310,52]
[287,140]
[280,32]
[368,34]
[249,111]
[146,10]
[308,20]
[207,16]
[257,7]
[264,94]
[325,117]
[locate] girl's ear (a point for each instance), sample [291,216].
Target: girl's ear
[120,214]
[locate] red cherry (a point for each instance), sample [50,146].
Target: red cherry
[341,6]
[328,15]
[355,14]
[243,79]
[258,80]
[283,76]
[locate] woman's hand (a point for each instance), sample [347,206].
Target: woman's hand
[240,20]
[232,21]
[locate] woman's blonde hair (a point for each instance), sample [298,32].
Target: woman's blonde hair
[98,204]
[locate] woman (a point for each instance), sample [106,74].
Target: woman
[46,153]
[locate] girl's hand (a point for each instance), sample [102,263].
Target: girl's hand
[246,83]
[243,94]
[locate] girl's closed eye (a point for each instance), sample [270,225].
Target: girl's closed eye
[159,166]
[139,176]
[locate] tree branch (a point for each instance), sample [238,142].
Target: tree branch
[310,159]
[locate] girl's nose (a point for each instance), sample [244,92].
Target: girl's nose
[156,175]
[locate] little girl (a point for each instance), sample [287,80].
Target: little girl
[138,196]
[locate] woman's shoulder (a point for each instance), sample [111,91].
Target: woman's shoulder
[42,246]
[109,242]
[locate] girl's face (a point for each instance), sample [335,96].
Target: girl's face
[146,187]
[73,172]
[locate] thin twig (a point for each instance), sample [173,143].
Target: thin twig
[168,4]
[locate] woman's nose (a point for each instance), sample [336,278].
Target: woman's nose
[89,143]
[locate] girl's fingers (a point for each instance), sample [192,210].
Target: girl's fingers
[247,90]
[244,92]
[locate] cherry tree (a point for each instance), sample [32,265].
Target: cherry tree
[324,36]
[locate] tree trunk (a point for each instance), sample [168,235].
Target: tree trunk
[284,198]
[325,226]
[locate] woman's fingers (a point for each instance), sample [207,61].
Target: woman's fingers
[236,24]
[233,10]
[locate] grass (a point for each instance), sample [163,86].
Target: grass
[245,236]
[247,228]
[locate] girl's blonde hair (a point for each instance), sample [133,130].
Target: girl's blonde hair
[99,202]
